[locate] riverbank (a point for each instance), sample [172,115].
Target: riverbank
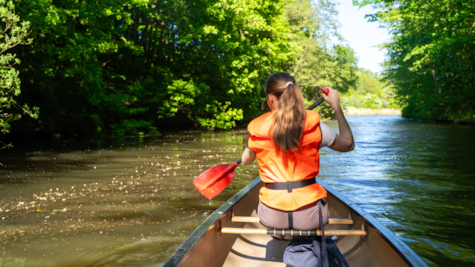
[368,111]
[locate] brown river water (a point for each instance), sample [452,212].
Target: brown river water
[131,201]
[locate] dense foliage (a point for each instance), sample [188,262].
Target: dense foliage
[371,91]
[119,67]
[13,32]
[315,65]
[431,56]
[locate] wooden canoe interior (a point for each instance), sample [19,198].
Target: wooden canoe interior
[217,249]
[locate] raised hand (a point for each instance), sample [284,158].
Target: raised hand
[332,98]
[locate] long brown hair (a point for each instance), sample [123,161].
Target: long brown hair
[289,118]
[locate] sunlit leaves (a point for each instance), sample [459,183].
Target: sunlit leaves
[13,32]
[431,56]
[371,91]
[124,67]
[314,62]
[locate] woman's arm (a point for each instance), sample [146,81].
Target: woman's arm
[344,141]
[248,156]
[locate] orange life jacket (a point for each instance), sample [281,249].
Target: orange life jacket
[276,166]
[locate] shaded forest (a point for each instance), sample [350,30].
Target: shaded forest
[115,68]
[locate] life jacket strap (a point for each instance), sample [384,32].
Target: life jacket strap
[291,185]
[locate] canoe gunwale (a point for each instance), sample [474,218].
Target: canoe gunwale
[406,253]
[203,228]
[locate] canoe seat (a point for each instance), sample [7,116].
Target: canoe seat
[256,220]
[269,231]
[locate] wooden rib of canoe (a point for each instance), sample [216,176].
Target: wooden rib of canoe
[232,236]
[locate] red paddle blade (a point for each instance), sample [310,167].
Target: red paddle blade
[213,181]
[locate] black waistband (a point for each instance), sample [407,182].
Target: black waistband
[291,185]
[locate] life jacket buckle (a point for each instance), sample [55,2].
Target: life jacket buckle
[289,187]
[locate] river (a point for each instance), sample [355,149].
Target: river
[131,201]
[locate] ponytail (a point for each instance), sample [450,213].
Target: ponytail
[289,118]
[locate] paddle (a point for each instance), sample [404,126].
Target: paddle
[211,182]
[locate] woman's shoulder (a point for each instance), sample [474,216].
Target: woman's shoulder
[260,125]
[313,114]
[312,118]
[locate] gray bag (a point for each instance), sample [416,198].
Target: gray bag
[306,251]
[303,251]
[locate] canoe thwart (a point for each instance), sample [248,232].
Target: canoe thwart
[244,219]
[268,231]
[340,221]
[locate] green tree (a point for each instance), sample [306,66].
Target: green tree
[114,67]
[430,56]
[315,63]
[124,67]
[13,32]
[371,91]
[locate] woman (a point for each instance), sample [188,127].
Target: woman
[285,142]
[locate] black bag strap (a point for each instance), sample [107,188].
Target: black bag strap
[324,243]
[333,249]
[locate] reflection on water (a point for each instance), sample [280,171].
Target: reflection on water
[108,203]
[417,178]
[131,202]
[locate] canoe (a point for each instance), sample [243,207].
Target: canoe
[232,236]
